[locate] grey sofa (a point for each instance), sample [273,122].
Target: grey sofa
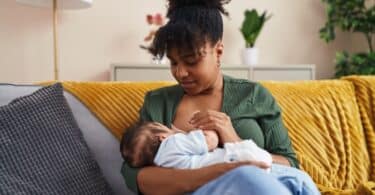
[103,145]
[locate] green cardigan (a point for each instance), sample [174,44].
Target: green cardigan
[253,110]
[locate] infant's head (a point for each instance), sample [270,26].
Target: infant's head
[141,142]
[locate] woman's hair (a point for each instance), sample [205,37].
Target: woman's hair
[139,144]
[192,23]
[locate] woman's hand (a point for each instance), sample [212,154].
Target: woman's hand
[217,121]
[278,159]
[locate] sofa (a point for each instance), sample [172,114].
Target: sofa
[331,124]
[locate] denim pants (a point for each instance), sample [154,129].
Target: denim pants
[251,180]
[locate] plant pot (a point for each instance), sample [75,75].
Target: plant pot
[163,61]
[249,56]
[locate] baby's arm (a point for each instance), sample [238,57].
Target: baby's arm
[205,159]
[187,152]
[246,150]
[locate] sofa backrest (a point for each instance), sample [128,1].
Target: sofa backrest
[116,104]
[322,118]
[324,124]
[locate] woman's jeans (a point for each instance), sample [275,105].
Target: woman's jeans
[251,180]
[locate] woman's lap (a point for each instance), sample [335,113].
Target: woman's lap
[243,180]
[254,181]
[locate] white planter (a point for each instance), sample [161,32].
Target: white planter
[249,56]
[164,60]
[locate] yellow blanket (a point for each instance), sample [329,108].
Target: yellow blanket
[115,104]
[324,124]
[365,92]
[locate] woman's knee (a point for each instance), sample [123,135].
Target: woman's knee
[296,180]
[280,170]
[244,180]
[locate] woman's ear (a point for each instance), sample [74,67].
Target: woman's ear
[219,49]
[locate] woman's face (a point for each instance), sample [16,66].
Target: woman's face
[197,74]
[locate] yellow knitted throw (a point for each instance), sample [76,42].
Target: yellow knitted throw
[322,118]
[365,91]
[116,104]
[324,125]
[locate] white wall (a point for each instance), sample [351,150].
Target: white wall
[359,43]
[111,31]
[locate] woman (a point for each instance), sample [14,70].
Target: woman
[235,109]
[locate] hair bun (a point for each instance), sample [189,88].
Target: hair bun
[218,4]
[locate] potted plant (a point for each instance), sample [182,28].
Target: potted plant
[251,27]
[155,21]
[351,16]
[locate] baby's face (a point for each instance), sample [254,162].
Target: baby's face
[165,131]
[212,139]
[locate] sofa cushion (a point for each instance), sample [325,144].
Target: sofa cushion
[324,124]
[103,145]
[42,148]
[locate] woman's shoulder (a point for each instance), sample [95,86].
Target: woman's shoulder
[174,89]
[164,94]
[245,89]
[242,84]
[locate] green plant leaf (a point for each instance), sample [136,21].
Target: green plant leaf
[357,64]
[351,16]
[252,25]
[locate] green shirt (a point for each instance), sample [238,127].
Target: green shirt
[253,110]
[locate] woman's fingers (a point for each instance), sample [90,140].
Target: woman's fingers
[203,117]
[198,121]
[209,126]
[198,116]
[218,121]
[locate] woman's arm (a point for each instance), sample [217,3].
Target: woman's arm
[165,181]
[277,140]
[278,159]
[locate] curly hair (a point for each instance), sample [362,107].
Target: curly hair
[192,23]
[139,144]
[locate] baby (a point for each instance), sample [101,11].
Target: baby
[152,143]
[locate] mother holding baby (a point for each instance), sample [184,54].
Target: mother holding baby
[204,98]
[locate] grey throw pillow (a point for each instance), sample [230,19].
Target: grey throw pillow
[42,150]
